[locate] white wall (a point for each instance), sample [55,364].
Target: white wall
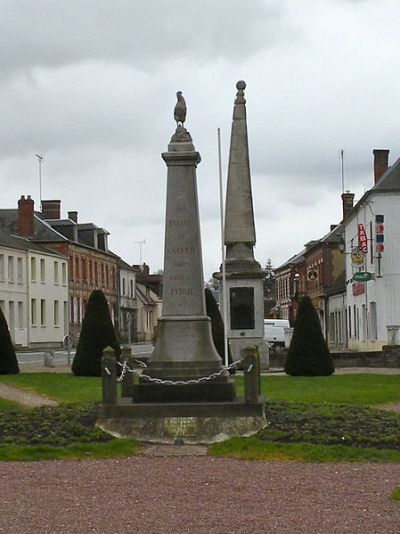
[379,304]
[47,294]
[13,293]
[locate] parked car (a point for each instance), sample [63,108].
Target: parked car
[274,332]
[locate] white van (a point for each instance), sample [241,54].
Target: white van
[274,331]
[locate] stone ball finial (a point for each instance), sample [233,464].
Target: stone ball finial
[241,85]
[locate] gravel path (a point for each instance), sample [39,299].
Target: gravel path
[25,398]
[197,495]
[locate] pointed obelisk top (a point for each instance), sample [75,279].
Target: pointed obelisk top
[239,216]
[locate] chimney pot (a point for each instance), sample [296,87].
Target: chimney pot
[381,163]
[73,215]
[347,203]
[25,216]
[51,209]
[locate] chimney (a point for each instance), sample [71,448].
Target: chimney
[73,215]
[25,216]
[51,209]
[381,159]
[347,202]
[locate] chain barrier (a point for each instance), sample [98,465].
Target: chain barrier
[126,368]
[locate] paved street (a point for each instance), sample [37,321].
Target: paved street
[61,355]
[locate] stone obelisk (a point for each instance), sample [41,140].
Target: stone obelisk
[244,276]
[184,349]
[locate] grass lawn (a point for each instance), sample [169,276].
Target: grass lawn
[316,419]
[62,387]
[256,449]
[365,389]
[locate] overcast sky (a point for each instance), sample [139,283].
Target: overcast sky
[91,84]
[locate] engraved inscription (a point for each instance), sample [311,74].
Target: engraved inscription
[180,223]
[181,250]
[181,426]
[185,291]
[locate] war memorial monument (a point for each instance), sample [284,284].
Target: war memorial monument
[185,392]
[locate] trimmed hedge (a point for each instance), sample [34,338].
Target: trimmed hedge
[308,354]
[97,333]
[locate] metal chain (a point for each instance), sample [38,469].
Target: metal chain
[126,368]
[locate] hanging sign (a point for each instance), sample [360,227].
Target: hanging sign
[357,256]
[358,288]
[362,239]
[362,277]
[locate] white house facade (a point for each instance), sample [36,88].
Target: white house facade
[33,292]
[372,243]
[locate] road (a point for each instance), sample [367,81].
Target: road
[61,355]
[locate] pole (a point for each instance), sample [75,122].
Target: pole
[342,166]
[140,243]
[39,157]
[224,293]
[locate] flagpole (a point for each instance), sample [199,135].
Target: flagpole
[221,209]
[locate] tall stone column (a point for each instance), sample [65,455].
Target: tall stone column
[184,349]
[244,276]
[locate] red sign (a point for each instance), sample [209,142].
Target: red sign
[362,239]
[358,288]
[380,247]
[379,228]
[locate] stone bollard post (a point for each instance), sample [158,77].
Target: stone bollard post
[393,331]
[127,381]
[109,376]
[251,373]
[49,358]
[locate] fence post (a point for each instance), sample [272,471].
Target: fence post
[251,373]
[127,381]
[109,376]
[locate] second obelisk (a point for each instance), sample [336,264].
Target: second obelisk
[184,349]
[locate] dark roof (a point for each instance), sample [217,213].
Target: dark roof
[390,180]
[123,265]
[21,243]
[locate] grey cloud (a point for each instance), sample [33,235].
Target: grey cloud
[142,34]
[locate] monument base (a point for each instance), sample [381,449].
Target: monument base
[194,423]
[203,392]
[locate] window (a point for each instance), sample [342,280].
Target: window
[56,313]
[123,286]
[374,322]
[56,272]
[33,269]
[11,318]
[42,312]
[20,271]
[11,274]
[242,308]
[349,317]
[84,270]
[71,310]
[64,273]
[33,312]
[131,288]
[1,266]
[20,314]
[107,277]
[42,270]
[77,269]
[78,310]
[66,329]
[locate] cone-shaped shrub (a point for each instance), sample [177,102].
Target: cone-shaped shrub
[217,326]
[97,333]
[8,359]
[308,353]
